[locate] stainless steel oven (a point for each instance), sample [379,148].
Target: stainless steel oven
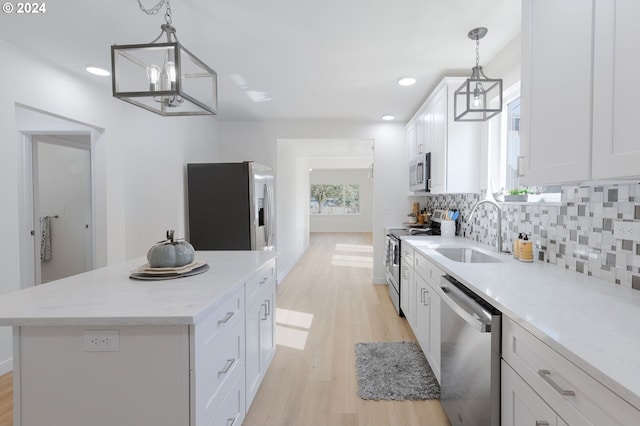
[392,268]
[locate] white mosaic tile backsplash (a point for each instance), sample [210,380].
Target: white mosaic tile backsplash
[576,234]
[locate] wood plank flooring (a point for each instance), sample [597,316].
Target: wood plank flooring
[6,400]
[317,386]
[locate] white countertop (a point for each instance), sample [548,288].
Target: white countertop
[107,296]
[593,323]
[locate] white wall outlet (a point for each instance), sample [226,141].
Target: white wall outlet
[624,230]
[101,340]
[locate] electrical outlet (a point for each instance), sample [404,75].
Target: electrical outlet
[624,230]
[101,340]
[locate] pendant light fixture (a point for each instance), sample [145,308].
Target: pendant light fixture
[163,77]
[480,97]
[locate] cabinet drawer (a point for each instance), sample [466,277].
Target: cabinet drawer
[427,270]
[208,331]
[231,409]
[214,376]
[406,253]
[259,281]
[576,396]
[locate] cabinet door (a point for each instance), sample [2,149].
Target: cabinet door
[520,405]
[616,151]
[267,330]
[411,140]
[252,369]
[421,329]
[438,128]
[406,278]
[556,91]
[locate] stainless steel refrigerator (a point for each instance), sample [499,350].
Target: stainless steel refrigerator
[230,206]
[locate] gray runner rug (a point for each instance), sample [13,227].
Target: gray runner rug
[394,370]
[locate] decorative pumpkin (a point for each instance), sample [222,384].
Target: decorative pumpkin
[170,253]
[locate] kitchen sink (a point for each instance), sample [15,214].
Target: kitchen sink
[466,255]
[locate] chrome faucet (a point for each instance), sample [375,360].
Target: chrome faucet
[499,223]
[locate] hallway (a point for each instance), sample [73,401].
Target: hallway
[315,386]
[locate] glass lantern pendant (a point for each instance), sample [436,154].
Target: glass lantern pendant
[480,97]
[163,77]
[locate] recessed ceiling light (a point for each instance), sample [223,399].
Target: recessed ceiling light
[98,71]
[388,117]
[407,81]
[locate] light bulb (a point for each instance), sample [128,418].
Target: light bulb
[153,72]
[171,73]
[476,102]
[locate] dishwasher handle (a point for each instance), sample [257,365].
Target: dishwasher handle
[464,306]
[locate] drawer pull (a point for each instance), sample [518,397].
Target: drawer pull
[542,423]
[264,280]
[231,421]
[227,366]
[546,375]
[226,318]
[268,302]
[265,312]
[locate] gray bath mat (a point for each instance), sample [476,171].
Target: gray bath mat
[394,370]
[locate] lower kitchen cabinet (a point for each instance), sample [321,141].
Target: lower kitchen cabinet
[521,406]
[569,391]
[423,303]
[407,285]
[260,328]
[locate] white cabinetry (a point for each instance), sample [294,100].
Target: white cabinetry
[520,405]
[579,91]
[616,148]
[427,329]
[454,146]
[575,396]
[407,284]
[260,327]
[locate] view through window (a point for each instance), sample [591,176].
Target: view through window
[334,199]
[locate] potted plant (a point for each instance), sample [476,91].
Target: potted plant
[519,194]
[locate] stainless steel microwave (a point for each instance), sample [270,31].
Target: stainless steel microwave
[420,173]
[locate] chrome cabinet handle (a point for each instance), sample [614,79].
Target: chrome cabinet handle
[542,423]
[546,375]
[265,311]
[226,318]
[405,273]
[227,366]
[428,185]
[264,280]
[268,302]
[231,421]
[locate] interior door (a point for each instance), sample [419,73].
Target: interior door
[62,206]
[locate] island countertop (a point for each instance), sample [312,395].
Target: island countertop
[107,296]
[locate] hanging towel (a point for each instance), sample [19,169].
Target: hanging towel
[45,239]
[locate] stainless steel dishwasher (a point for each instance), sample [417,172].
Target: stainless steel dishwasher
[470,351]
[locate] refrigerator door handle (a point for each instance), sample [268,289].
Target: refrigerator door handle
[268,215]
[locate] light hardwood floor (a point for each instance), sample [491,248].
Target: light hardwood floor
[317,386]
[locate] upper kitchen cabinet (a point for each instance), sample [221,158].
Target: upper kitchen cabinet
[616,95]
[556,100]
[579,90]
[454,146]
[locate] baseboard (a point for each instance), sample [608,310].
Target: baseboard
[282,273]
[6,366]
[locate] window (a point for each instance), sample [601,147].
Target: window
[504,137]
[334,199]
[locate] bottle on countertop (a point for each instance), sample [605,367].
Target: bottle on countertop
[526,250]
[516,245]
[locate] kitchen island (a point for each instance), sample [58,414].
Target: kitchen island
[572,338]
[102,349]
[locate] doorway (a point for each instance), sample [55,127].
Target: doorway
[62,198]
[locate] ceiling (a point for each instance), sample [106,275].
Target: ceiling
[287,59]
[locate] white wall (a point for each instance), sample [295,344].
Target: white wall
[139,161]
[362,222]
[259,140]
